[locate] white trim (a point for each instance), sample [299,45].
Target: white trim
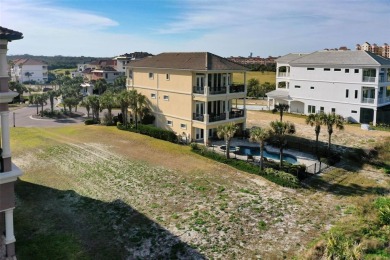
[11,176]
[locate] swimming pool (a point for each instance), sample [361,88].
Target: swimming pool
[255,151]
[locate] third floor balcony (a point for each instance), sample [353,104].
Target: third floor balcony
[237,88]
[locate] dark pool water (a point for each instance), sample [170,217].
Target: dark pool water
[255,151]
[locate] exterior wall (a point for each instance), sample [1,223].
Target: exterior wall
[40,73]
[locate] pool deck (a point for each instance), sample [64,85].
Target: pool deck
[302,158]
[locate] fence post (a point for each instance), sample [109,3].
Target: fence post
[315,168]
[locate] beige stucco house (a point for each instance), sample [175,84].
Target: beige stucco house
[190,93]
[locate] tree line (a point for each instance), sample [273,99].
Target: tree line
[257,90]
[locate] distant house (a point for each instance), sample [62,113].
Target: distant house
[190,93]
[354,84]
[24,70]
[123,60]
[99,69]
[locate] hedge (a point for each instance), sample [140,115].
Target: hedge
[279,177]
[151,131]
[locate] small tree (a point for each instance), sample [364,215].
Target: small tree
[94,103]
[330,120]
[315,120]
[280,130]
[281,108]
[28,75]
[34,99]
[259,135]
[253,88]
[107,101]
[42,101]
[17,87]
[227,132]
[123,100]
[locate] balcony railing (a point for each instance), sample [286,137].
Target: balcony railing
[212,91]
[198,90]
[237,88]
[283,74]
[368,100]
[368,79]
[198,117]
[215,118]
[384,100]
[236,113]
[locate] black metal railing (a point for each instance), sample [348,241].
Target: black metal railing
[219,117]
[220,90]
[198,117]
[236,113]
[198,90]
[237,88]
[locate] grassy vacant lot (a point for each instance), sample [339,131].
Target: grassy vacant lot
[62,71]
[94,192]
[267,76]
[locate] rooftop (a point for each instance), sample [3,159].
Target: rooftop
[336,58]
[188,61]
[28,62]
[10,35]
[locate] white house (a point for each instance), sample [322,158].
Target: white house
[354,84]
[23,70]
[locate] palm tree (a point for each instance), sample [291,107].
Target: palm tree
[259,135]
[227,132]
[280,130]
[137,103]
[42,100]
[281,108]
[330,120]
[124,101]
[107,100]
[101,86]
[28,75]
[52,94]
[94,103]
[316,120]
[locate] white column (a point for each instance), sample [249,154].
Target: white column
[227,83]
[9,226]
[206,113]
[3,59]
[245,83]
[374,119]
[206,136]
[5,134]
[227,109]
[206,85]
[289,106]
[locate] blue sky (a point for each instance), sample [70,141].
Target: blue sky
[107,28]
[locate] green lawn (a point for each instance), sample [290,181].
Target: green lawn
[62,71]
[267,76]
[94,192]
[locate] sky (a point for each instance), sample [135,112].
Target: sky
[107,28]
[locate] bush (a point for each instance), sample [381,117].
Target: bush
[151,131]
[383,206]
[194,146]
[90,122]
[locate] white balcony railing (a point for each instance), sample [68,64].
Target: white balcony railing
[368,100]
[368,79]
[283,74]
[384,100]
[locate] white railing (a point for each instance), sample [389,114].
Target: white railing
[368,79]
[368,100]
[283,74]
[384,100]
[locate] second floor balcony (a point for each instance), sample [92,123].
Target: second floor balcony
[369,79]
[209,118]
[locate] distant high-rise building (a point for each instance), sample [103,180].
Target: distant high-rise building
[383,50]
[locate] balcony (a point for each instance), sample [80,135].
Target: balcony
[215,118]
[283,74]
[368,100]
[368,79]
[198,117]
[237,88]
[236,113]
[212,91]
[384,100]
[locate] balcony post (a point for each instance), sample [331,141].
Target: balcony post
[206,85]
[206,118]
[227,110]
[227,84]
[245,83]
[374,119]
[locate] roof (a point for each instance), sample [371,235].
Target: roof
[290,57]
[28,62]
[187,61]
[10,35]
[341,58]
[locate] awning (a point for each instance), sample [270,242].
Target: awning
[279,94]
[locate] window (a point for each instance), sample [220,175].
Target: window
[167,76]
[153,95]
[353,111]
[346,70]
[311,87]
[310,68]
[356,94]
[296,86]
[346,93]
[322,109]
[169,122]
[337,69]
[326,69]
[356,70]
[151,75]
[183,126]
[311,109]
[166,97]
[333,110]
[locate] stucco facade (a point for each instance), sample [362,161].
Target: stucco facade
[189,101]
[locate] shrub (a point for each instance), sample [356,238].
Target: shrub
[90,122]
[194,146]
[151,131]
[383,206]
